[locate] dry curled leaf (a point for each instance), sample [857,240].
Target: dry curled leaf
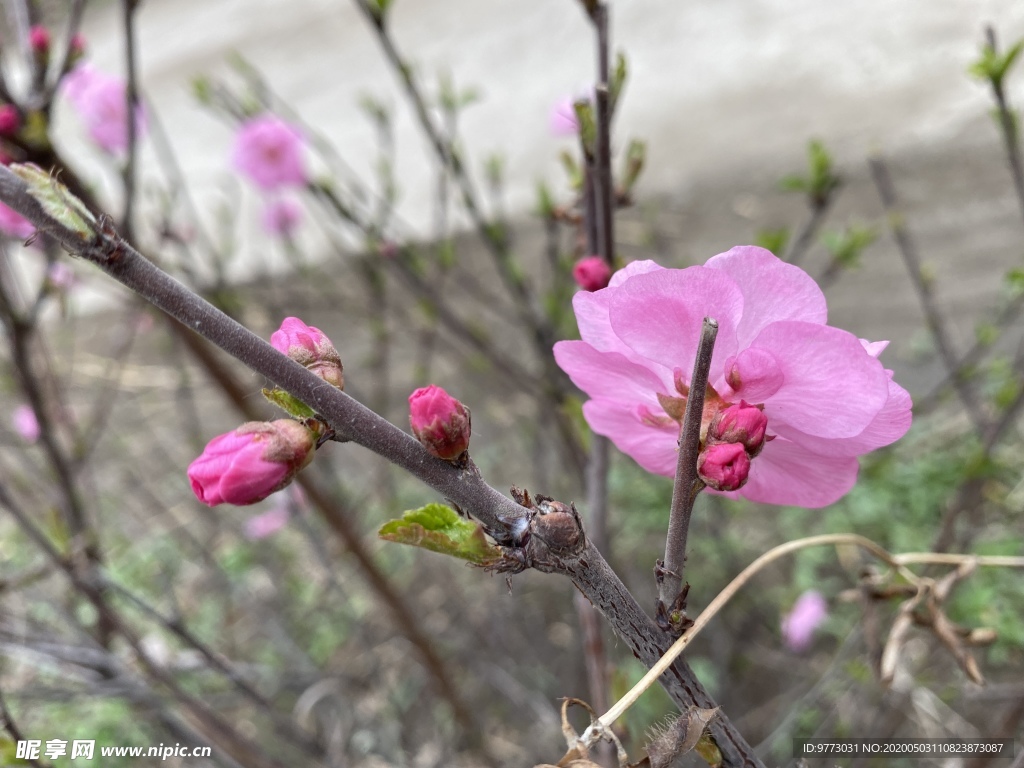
[678,737]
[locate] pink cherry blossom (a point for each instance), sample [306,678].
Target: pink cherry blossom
[13,224]
[267,523]
[592,273]
[440,422]
[99,98]
[311,348]
[825,396]
[250,463]
[563,120]
[268,151]
[25,423]
[61,275]
[281,216]
[799,625]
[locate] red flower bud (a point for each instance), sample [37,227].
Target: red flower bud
[39,40]
[310,347]
[249,464]
[724,466]
[10,120]
[440,422]
[740,423]
[592,273]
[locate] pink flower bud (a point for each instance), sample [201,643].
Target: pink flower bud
[440,422]
[25,423]
[249,464]
[76,50]
[10,120]
[740,423]
[799,625]
[592,273]
[724,466]
[309,347]
[39,40]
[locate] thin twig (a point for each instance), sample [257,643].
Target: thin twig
[934,318]
[687,483]
[897,562]
[1008,125]
[131,96]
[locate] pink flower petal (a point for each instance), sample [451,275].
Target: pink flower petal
[653,448]
[660,315]
[609,375]
[789,474]
[833,388]
[772,290]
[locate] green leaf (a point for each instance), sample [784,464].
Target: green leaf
[56,200]
[439,529]
[775,240]
[288,403]
[618,81]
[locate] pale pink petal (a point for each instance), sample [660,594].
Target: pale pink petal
[753,375]
[874,348]
[789,474]
[653,448]
[660,315]
[891,423]
[833,388]
[772,290]
[634,268]
[610,375]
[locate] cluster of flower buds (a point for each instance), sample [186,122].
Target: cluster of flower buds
[735,435]
[258,458]
[441,423]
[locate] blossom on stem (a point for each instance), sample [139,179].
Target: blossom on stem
[252,462]
[25,423]
[281,216]
[807,614]
[592,273]
[563,120]
[740,423]
[440,422]
[824,396]
[101,103]
[309,347]
[268,151]
[13,224]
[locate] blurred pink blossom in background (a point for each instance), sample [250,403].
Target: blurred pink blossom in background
[807,614]
[10,120]
[281,216]
[267,523]
[14,224]
[268,151]
[61,275]
[592,273]
[25,424]
[100,101]
[824,394]
[563,121]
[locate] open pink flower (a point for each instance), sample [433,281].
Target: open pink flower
[281,216]
[13,224]
[25,423]
[99,98]
[268,151]
[807,614]
[250,463]
[825,396]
